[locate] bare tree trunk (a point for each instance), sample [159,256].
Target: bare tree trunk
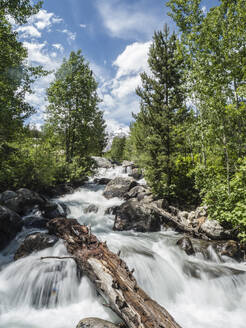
[111,277]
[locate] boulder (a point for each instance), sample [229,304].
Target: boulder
[135,191]
[52,210]
[91,209]
[112,210]
[8,194]
[102,181]
[136,174]
[118,187]
[132,215]
[186,245]
[22,201]
[10,224]
[201,212]
[213,229]
[33,221]
[102,162]
[232,249]
[34,243]
[95,323]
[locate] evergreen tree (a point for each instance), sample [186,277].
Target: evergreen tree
[73,109]
[162,110]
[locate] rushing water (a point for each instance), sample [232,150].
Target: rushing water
[38,293]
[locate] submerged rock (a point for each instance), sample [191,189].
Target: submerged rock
[32,221]
[95,323]
[186,245]
[91,209]
[34,243]
[132,215]
[10,224]
[52,210]
[118,187]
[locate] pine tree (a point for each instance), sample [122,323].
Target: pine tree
[162,110]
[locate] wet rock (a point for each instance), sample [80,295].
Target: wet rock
[112,210]
[95,323]
[102,162]
[6,195]
[118,187]
[34,243]
[102,181]
[33,221]
[23,200]
[51,210]
[133,215]
[10,224]
[232,249]
[136,174]
[91,209]
[186,245]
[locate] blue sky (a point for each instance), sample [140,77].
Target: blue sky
[114,36]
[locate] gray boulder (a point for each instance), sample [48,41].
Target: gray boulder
[52,210]
[102,181]
[10,224]
[34,243]
[112,210]
[32,221]
[135,191]
[118,187]
[21,201]
[95,323]
[213,229]
[133,215]
[102,162]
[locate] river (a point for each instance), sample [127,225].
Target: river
[48,293]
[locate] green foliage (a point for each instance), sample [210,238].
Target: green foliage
[155,132]
[20,10]
[73,109]
[117,150]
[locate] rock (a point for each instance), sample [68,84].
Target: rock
[34,243]
[52,210]
[213,229]
[102,162]
[232,249]
[6,195]
[91,209]
[201,211]
[33,221]
[186,245]
[127,164]
[132,215]
[136,174]
[23,200]
[161,203]
[10,224]
[112,210]
[95,323]
[102,181]
[118,187]
[135,191]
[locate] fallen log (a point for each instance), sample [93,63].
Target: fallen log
[111,277]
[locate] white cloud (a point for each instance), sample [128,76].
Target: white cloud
[44,19]
[133,59]
[28,31]
[82,25]
[127,86]
[132,21]
[71,35]
[58,46]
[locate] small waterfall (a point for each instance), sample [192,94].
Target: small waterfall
[198,292]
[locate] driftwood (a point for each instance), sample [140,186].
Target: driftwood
[111,276]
